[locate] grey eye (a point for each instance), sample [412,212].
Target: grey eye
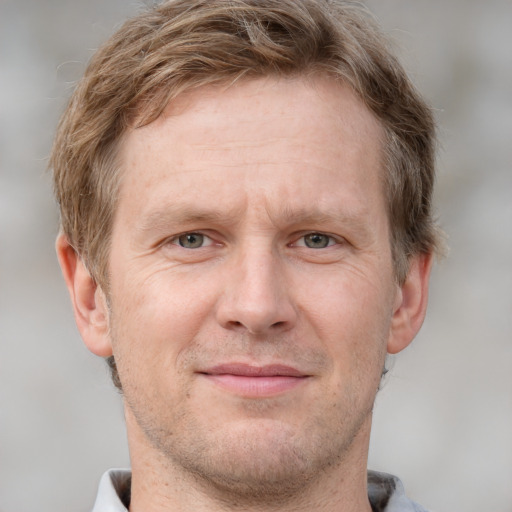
[191,240]
[317,240]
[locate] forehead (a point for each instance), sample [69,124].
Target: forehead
[307,131]
[330,107]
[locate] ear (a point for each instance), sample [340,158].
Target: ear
[411,304]
[89,301]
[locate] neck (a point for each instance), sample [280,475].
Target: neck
[160,485]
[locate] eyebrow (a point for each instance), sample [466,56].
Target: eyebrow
[320,216]
[162,218]
[174,214]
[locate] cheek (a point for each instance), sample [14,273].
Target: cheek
[351,314]
[345,294]
[154,319]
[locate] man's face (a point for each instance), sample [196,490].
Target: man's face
[252,288]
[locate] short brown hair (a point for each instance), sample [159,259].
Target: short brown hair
[180,45]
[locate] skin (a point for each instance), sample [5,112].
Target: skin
[276,187]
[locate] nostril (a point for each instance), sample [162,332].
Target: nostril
[256,317]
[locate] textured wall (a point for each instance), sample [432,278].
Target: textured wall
[443,421]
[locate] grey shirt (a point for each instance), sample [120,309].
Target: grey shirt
[385,492]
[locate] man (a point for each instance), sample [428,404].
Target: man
[245,191]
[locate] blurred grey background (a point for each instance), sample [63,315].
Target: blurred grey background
[443,421]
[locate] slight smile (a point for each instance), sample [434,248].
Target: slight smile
[255,381]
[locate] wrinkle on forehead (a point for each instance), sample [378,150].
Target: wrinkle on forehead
[283,217]
[215,128]
[212,112]
[333,96]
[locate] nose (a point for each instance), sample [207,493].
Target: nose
[256,295]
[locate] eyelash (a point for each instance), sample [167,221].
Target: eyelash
[331,240]
[192,235]
[177,239]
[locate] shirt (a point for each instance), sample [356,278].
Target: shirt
[385,492]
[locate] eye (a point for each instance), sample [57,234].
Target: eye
[317,240]
[318,247]
[192,240]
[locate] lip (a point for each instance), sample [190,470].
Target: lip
[252,381]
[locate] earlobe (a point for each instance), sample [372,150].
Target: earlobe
[88,299]
[411,304]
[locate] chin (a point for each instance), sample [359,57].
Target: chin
[261,459]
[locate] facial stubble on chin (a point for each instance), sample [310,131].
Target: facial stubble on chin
[247,468]
[261,460]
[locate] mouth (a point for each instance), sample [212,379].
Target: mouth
[252,381]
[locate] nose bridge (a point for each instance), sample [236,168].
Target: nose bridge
[256,297]
[258,275]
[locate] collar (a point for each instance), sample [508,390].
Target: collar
[385,492]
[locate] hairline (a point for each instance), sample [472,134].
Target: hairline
[100,270]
